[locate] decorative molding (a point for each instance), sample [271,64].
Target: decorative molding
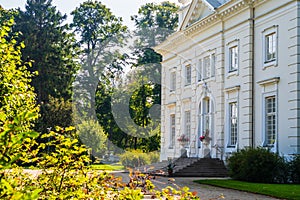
[185,100]
[171,104]
[232,89]
[218,14]
[269,81]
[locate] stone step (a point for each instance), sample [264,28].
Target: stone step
[205,167]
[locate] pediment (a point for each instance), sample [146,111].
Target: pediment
[198,9]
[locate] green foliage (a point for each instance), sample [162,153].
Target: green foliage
[155,22]
[63,175]
[136,158]
[57,112]
[257,165]
[295,169]
[91,134]
[17,100]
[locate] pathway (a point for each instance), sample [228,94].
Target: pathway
[205,192]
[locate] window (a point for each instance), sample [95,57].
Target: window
[233,119]
[270,47]
[206,67]
[206,114]
[200,70]
[173,81]
[172,130]
[188,75]
[187,116]
[213,64]
[270,120]
[233,58]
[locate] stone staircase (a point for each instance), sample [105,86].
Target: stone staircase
[204,167]
[188,167]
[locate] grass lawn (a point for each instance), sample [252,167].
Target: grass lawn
[284,191]
[107,167]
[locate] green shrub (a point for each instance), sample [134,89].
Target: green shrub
[134,158]
[154,156]
[257,165]
[295,169]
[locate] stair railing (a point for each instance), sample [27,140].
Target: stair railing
[218,150]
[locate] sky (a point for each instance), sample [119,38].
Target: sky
[121,8]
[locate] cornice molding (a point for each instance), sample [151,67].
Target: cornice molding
[228,9]
[269,81]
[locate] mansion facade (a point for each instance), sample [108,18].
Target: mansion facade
[231,79]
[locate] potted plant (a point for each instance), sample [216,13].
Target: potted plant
[205,137]
[183,140]
[170,168]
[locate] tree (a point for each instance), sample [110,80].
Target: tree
[99,30]
[51,48]
[139,94]
[91,134]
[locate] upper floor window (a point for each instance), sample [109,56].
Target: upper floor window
[233,58]
[188,75]
[270,46]
[206,67]
[173,81]
[199,71]
[270,120]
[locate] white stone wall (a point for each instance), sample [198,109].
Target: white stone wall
[242,24]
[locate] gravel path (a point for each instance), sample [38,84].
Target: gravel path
[205,192]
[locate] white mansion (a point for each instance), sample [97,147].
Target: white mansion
[231,73]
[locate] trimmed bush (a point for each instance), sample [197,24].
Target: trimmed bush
[135,158]
[295,169]
[257,165]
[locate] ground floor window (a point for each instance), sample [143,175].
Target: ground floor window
[172,130]
[270,120]
[233,123]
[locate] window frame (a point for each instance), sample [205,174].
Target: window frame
[206,72]
[206,65]
[233,58]
[188,74]
[228,59]
[273,30]
[265,115]
[230,118]
[173,81]
[232,95]
[187,121]
[172,131]
[199,70]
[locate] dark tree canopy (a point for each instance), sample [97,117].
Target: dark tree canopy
[50,46]
[52,50]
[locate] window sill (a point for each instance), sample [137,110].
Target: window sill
[268,64]
[213,78]
[232,73]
